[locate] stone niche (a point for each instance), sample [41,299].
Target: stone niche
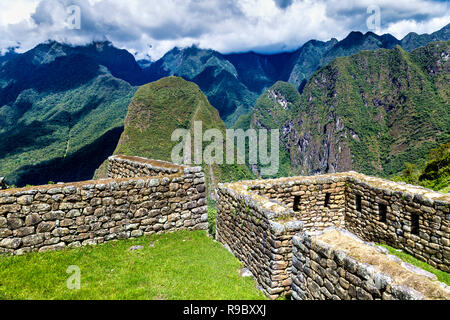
[257,220]
[141,197]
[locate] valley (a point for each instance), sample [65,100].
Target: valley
[64,107]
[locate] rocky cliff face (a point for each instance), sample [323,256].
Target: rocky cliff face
[370,112]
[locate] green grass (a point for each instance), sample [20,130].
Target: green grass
[212,217]
[441,275]
[181,266]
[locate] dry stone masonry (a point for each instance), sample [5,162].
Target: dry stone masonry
[259,233]
[141,197]
[335,264]
[257,221]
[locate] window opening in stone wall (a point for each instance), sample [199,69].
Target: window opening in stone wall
[296,203]
[358,203]
[382,210]
[415,224]
[327,200]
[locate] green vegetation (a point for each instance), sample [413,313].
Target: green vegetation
[212,215]
[178,266]
[59,125]
[273,109]
[435,173]
[441,275]
[277,104]
[214,74]
[233,82]
[62,108]
[371,112]
[161,107]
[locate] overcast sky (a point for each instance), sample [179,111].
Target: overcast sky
[152,27]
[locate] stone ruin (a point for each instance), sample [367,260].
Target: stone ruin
[308,237]
[140,197]
[279,229]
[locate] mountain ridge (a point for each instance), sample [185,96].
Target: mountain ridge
[295,67]
[371,112]
[42,106]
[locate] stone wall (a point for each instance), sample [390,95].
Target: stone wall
[337,265]
[259,233]
[318,201]
[375,209]
[127,167]
[74,214]
[413,219]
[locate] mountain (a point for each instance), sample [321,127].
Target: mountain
[161,107]
[8,55]
[233,82]
[59,103]
[370,112]
[215,75]
[61,111]
[412,40]
[316,54]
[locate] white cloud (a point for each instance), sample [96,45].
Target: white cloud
[226,26]
[16,11]
[401,28]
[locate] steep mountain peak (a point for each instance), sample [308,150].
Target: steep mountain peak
[46,52]
[353,38]
[388,40]
[101,45]
[333,40]
[159,108]
[356,38]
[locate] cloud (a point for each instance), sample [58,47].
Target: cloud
[153,27]
[400,28]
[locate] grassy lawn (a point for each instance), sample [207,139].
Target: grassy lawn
[182,265]
[441,275]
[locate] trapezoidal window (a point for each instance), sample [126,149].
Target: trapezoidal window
[296,203]
[415,224]
[358,203]
[327,199]
[382,210]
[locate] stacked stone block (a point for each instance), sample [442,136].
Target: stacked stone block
[374,209]
[306,196]
[428,240]
[259,233]
[324,271]
[127,167]
[85,213]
